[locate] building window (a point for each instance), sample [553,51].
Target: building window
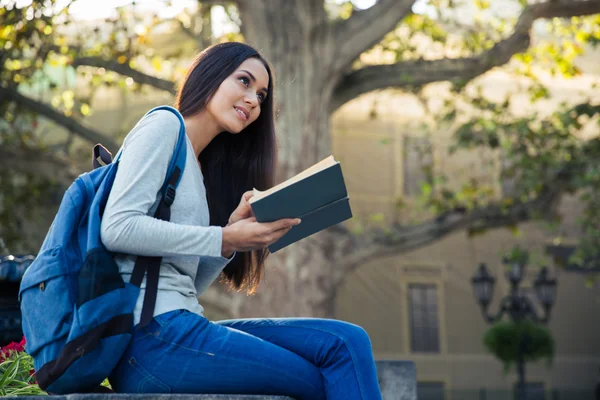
[430,390]
[418,164]
[424,330]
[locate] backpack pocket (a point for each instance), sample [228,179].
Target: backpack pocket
[46,300]
[98,276]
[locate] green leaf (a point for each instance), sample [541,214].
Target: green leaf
[426,189]
[10,372]
[377,217]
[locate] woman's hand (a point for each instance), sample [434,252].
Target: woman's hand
[243,209]
[248,234]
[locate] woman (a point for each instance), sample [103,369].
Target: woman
[227,104]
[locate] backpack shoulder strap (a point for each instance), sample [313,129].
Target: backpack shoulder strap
[151,265]
[177,164]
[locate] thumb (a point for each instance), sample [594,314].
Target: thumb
[283,223]
[247,195]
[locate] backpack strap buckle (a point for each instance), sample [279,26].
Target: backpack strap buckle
[169,197]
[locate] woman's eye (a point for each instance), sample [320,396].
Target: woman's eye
[261,97]
[245,80]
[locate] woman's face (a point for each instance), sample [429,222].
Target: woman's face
[236,103]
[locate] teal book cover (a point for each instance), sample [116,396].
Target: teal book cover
[317,196]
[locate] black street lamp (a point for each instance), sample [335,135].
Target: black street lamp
[516,305]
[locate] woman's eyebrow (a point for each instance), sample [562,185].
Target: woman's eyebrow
[254,79]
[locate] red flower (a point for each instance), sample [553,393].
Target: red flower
[12,347]
[22,344]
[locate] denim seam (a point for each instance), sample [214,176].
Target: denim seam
[233,359]
[147,377]
[350,350]
[141,337]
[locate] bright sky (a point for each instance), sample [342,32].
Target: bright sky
[92,9]
[100,9]
[95,9]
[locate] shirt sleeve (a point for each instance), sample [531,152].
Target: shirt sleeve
[209,269]
[126,227]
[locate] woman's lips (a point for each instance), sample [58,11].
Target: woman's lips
[243,114]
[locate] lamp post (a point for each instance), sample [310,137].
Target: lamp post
[515,305]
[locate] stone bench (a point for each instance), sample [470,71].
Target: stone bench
[397,380]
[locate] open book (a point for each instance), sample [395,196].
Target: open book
[316,195]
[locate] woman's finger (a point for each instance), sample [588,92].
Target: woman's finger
[247,195]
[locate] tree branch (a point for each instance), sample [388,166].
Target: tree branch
[38,162]
[403,239]
[414,74]
[61,119]
[190,33]
[366,28]
[126,70]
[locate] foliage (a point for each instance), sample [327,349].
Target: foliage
[536,150]
[541,154]
[17,376]
[24,196]
[516,256]
[505,341]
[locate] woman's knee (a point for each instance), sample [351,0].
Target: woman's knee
[352,334]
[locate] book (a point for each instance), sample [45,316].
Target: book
[317,196]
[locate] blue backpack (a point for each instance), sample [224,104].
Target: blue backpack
[77,310]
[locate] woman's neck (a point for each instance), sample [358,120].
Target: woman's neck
[201,128]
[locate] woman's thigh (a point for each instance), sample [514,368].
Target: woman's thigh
[182,352]
[311,338]
[340,349]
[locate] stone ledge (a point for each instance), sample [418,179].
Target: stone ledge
[126,396]
[397,380]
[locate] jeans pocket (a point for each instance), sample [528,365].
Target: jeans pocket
[147,383]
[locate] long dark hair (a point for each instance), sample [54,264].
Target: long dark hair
[232,164]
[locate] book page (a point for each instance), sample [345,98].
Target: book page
[320,166]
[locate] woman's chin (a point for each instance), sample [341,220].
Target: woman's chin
[235,129]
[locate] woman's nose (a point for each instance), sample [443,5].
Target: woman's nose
[251,99]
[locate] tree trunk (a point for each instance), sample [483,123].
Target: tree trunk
[299,47]
[298,279]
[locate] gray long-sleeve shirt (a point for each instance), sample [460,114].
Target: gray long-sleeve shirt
[191,249]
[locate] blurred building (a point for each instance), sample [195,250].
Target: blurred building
[420,305]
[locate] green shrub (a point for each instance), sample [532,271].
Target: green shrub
[17,377]
[504,339]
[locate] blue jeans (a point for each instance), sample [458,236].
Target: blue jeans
[182,352]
